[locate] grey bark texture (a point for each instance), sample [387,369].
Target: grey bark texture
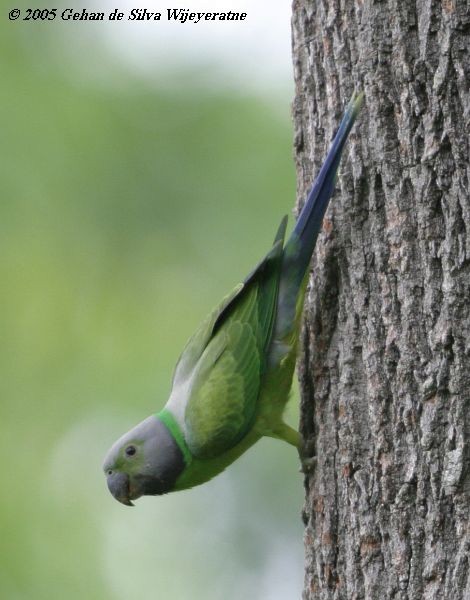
[385,357]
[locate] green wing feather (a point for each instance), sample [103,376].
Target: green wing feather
[196,345]
[223,399]
[226,380]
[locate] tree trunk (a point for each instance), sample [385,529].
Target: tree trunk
[385,368]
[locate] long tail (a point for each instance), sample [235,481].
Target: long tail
[310,219]
[300,245]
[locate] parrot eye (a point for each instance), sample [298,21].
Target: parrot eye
[130,450]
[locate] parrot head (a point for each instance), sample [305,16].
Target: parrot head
[146,461]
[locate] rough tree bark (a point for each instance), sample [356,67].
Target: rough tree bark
[385,370]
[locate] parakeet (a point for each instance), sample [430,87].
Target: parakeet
[233,378]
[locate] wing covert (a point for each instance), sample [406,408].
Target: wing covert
[223,397]
[223,365]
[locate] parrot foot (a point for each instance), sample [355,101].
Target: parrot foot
[308,459]
[308,464]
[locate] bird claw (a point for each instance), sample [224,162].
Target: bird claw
[308,464]
[308,459]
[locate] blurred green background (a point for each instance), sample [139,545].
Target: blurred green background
[128,209]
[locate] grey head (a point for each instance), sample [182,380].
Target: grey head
[146,461]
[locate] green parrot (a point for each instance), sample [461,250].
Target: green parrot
[232,381]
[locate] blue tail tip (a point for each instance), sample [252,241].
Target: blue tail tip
[355,103]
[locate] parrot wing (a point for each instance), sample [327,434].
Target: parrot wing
[225,382]
[197,343]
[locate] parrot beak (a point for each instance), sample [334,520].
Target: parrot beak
[118,485]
